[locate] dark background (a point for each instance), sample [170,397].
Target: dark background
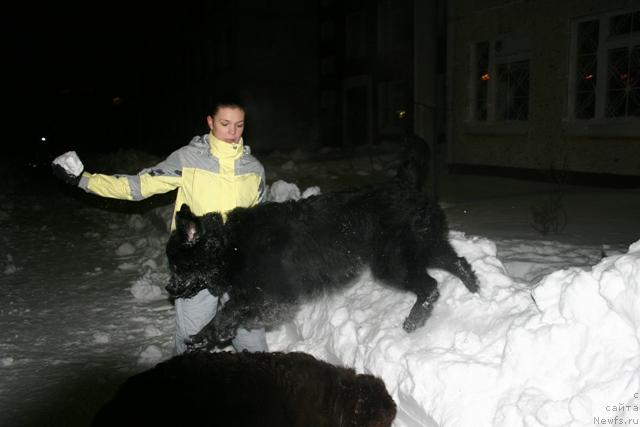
[102,76]
[108,75]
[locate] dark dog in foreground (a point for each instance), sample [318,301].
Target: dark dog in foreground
[249,389]
[272,257]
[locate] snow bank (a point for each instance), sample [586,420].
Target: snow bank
[564,353]
[531,260]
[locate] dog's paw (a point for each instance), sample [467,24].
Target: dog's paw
[467,275]
[408,325]
[193,346]
[417,317]
[472,284]
[199,342]
[225,334]
[414,321]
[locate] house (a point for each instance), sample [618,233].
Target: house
[544,88]
[365,70]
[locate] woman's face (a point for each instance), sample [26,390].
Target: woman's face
[227,124]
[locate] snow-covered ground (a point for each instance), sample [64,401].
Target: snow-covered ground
[552,339]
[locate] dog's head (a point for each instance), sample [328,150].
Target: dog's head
[194,252]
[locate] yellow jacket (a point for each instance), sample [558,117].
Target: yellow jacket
[211,176]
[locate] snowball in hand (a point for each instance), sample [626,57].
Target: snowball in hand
[70,162]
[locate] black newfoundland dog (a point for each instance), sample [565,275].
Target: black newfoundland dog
[249,389]
[272,257]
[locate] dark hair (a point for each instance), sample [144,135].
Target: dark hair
[227,101]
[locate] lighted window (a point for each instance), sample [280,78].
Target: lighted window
[587,65]
[607,67]
[500,80]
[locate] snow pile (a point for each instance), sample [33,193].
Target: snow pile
[152,331]
[144,252]
[150,356]
[311,191]
[9,265]
[281,191]
[125,249]
[564,353]
[578,356]
[101,338]
[150,286]
[530,261]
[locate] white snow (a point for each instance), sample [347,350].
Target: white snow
[150,356]
[125,249]
[552,338]
[281,190]
[70,162]
[146,288]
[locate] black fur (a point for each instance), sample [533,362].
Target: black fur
[249,389]
[271,257]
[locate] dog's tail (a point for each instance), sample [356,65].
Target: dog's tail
[413,170]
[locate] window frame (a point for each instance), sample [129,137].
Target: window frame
[604,46]
[600,125]
[492,124]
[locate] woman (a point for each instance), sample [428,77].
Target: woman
[213,173]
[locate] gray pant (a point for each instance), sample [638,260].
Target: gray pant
[195,312]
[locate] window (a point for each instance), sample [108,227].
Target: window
[606,67]
[587,69]
[512,100]
[500,80]
[481,80]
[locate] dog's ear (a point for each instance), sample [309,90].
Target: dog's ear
[188,226]
[213,224]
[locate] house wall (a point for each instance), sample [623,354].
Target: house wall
[365,70]
[429,80]
[550,137]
